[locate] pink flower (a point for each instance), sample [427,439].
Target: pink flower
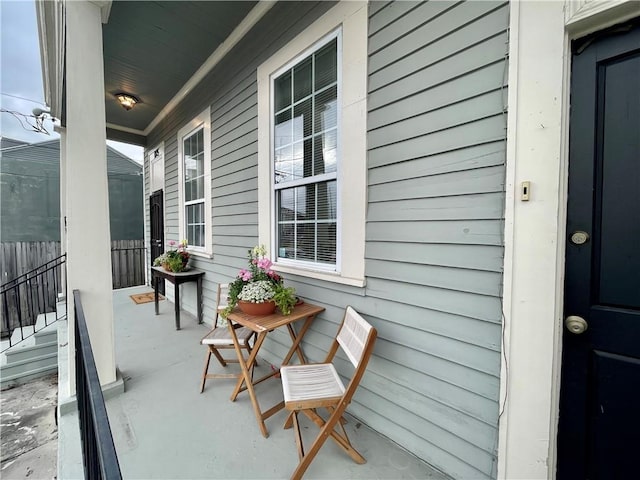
[264,263]
[172,242]
[273,275]
[245,275]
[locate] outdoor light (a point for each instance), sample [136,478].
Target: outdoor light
[126,100]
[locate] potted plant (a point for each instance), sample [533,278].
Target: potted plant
[258,290]
[175,259]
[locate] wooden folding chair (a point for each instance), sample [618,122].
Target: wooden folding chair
[311,386]
[219,338]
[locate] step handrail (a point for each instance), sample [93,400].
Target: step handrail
[25,298]
[33,272]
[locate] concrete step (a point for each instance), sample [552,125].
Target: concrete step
[22,334]
[45,325]
[28,352]
[49,332]
[24,370]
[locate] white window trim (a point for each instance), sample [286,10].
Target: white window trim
[201,121]
[352,18]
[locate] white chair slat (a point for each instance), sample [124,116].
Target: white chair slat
[353,335]
[305,382]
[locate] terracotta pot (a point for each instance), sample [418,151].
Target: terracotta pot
[264,308]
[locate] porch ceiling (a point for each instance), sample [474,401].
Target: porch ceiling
[151,49]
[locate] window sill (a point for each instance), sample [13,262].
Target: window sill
[320,275]
[200,254]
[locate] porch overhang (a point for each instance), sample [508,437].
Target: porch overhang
[141,56]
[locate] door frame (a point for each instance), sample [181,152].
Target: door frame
[150,187]
[535,230]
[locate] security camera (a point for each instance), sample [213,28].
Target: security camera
[38,111]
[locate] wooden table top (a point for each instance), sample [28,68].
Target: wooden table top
[261,323]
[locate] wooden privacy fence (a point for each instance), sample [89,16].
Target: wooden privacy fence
[17,258]
[128,263]
[127,260]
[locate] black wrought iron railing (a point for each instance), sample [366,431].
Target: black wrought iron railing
[30,295]
[98,451]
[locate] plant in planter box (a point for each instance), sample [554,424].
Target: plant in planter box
[259,284]
[174,259]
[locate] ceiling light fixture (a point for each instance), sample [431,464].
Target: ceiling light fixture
[127,100]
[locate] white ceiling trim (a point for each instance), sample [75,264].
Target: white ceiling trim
[121,128]
[225,47]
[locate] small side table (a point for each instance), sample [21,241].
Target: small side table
[178,278]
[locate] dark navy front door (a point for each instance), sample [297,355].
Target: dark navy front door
[599,427]
[156,214]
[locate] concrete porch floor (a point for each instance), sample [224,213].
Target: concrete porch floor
[164,428]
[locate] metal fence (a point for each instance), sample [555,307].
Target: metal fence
[27,296]
[128,258]
[23,264]
[98,450]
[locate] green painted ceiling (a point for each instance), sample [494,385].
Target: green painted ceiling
[151,49]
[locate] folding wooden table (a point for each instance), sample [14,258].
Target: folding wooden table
[263,324]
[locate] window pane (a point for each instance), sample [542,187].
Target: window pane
[303,119]
[306,203]
[305,241]
[326,200]
[187,191]
[326,243]
[305,166]
[325,152]
[282,88]
[195,224]
[298,159]
[286,241]
[198,235]
[325,105]
[283,164]
[283,130]
[302,80]
[200,184]
[199,163]
[286,204]
[326,65]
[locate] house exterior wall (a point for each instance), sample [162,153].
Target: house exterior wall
[434,248]
[30,190]
[437,134]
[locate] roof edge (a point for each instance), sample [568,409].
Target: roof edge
[50,17]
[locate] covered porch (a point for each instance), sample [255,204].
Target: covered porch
[164,428]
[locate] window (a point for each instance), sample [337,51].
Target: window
[194,156]
[312,149]
[305,158]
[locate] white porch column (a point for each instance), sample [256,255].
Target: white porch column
[87,197]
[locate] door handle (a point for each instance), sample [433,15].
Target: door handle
[576,324]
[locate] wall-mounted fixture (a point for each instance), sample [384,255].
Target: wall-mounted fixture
[127,100]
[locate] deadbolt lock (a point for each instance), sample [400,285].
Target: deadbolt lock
[579,237]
